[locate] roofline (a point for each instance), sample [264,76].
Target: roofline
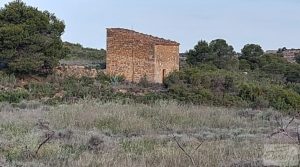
[160,41]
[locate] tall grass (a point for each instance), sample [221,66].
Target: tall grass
[93,133]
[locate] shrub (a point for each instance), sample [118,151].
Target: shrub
[7,80]
[40,90]
[14,96]
[220,87]
[144,82]
[283,99]
[294,86]
[80,88]
[138,147]
[109,79]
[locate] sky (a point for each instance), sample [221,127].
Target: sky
[270,23]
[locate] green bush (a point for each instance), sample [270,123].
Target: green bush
[40,90]
[7,80]
[14,96]
[79,88]
[109,79]
[294,86]
[283,99]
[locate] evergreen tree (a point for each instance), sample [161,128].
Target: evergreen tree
[251,53]
[30,40]
[217,53]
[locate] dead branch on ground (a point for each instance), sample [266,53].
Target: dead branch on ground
[283,130]
[45,141]
[189,155]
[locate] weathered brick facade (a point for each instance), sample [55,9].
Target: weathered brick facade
[135,55]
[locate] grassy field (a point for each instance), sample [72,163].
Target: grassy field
[92,133]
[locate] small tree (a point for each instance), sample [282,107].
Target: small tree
[224,56]
[217,53]
[251,53]
[30,40]
[199,54]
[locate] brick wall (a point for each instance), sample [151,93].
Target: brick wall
[135,55]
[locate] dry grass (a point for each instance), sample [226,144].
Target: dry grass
[93,133]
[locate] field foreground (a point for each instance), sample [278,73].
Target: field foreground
[92,133]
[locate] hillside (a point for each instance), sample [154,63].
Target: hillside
[79,55]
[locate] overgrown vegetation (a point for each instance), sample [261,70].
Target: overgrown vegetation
[262,81]
[220,87]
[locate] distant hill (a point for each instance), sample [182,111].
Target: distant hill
[80,55]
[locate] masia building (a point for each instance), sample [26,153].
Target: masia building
[136,55]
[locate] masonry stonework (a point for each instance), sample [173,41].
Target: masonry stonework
[135,55]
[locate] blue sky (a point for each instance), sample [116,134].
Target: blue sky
[270,23]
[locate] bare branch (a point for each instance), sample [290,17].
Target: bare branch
[286,134]
[198,147]
[45,141]
[179,145]
[298,135]
[277,132]
[284,130]
[187,154]
[289,123]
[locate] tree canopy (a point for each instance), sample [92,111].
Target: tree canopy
[199,54]
[217,53]
[251,51]
[250,55]
[30,40]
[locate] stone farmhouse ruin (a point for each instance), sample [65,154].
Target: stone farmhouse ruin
[136,55]
[290,54]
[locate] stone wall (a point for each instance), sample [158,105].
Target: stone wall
[134,56]
[75,71]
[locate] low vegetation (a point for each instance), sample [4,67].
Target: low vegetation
[206,85]
[95,133]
